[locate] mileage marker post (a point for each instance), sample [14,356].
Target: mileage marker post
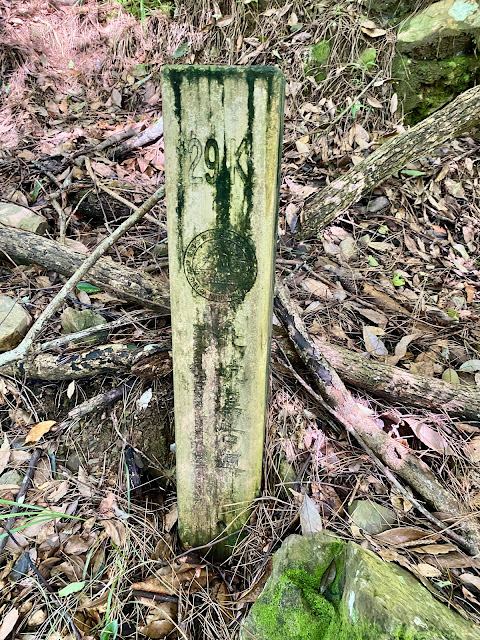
[223,135]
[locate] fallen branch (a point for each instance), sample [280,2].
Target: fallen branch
[126,283]
[450,121]
[400,385]
[23,348]
[387,473]
[142,139]
[149,361]
[353,417]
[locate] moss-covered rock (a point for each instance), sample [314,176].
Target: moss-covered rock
[437,56]
[426,85]
[322,588]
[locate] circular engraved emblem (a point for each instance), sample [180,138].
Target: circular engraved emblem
[221,265]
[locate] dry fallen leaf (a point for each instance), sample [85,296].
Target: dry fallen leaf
[434,549]
[8,623]
[4,453]
[402,535]
[472,449]
[470,580]
[116,530]
[39,430]
[373,344]
[427,571]
[310,519]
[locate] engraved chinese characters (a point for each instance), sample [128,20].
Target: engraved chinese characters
[223,128]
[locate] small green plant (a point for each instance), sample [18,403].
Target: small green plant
[143,8]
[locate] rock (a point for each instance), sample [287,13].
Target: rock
[14,323]
[11,477]
[318,55]
[322,588]
[377,204]
[371,517]
[73,463]
[13,215]
[437,58]
[73,321]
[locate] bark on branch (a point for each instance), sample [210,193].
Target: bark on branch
[400,385]
[351,415]
[127,284]
[454,119]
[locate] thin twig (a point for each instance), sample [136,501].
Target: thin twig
[24,347]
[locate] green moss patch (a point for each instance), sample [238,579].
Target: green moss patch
[426,85]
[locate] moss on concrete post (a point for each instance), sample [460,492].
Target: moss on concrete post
[223,131]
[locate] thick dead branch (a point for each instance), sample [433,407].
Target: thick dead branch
[24,347]
[400,385]
[454,119]
[150,361]
[142,139]
[353,416]
[125,283]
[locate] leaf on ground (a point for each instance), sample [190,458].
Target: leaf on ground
[73,587]
[8,623]
[168,579]
[470,580]
[401,348]
[434,549]
[39,430]
[402,535]
[310,519]
[171,517]
[318,289]
[4,453]
[161,621]
[451,376]
[430,437]
[373,343]
[472,449]
[83,483]
[428,571]
[470,366]
[116,530]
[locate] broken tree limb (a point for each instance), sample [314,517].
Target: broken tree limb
[354,417]
[24,347]
[148,361]
[142,139]
[126,283]
[400,385]
[450,121]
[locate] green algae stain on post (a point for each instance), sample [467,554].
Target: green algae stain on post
[223,133]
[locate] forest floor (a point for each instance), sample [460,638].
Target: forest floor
[394,279]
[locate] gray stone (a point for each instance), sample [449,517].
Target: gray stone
[14,323]
[371,517]
[11,477]
[13,215]
[73,321]
[322,588]
[73,462]
[377,204]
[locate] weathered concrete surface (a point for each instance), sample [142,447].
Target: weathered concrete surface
[223,131]
[322,588]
